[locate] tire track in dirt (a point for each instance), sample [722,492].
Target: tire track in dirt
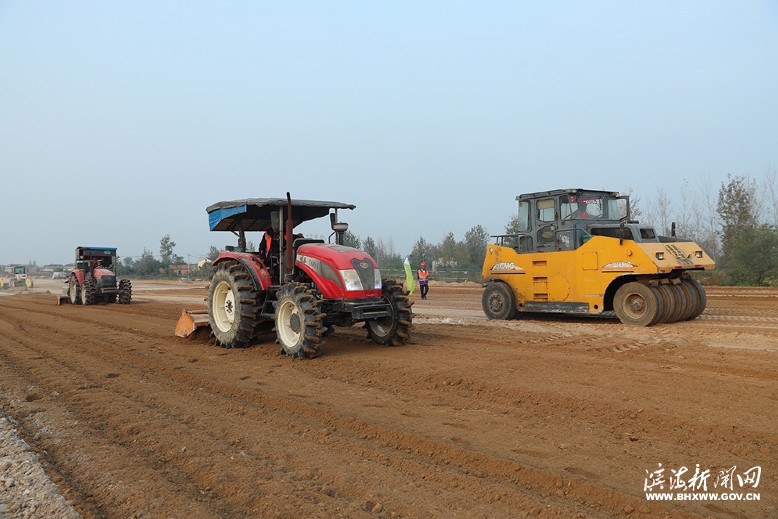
[422,471]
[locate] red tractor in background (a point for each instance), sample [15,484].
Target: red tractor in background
[299,287]
[94,278]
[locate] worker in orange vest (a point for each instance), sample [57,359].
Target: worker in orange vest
[266,245]
[424,285]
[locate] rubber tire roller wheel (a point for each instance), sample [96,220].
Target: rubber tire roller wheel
[498,301]
[637,304]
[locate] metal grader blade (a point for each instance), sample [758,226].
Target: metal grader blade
[190,321]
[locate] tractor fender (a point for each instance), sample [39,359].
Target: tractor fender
[260,277]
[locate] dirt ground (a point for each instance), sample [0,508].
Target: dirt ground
[548,417]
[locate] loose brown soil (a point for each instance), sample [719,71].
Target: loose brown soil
[540,416]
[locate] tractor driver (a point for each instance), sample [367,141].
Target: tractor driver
[267,244]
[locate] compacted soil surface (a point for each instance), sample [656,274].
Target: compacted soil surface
[539,416]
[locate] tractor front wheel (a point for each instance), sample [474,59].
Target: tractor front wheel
[299,325]
[396,328]
[125,292]
[74,291]
[88,291]
[232,305]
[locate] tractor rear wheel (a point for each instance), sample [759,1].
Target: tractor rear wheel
[637,304]
[395,329]
[88,291]
[299,325]
[498,301]
[125,292]
[232,310]
[74,291]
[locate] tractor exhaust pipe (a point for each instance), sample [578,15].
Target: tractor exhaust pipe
[288,237]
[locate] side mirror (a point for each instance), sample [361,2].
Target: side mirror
[275,222]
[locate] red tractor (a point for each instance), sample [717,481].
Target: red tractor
[297,286]
[94,278]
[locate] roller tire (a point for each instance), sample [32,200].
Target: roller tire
[692,300]
[637,304]
[498,301]
[298,318]
[668,301]
[232,305]
[702,298]
[88,291]
[395,329]
[681,302]
[125,292]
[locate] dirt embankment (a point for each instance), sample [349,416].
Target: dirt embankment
[533,417]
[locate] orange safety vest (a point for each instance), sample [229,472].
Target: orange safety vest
[268,241]
[423,276]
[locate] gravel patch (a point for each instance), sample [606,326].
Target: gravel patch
[26,492]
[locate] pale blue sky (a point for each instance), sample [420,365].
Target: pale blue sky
[121,121]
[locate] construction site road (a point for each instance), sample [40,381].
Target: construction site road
[540,416]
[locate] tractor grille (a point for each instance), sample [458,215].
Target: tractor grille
[366,273]
[106,281]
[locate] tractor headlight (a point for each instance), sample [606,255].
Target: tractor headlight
[698,254]
[660,255]
[377,279]
[351,279]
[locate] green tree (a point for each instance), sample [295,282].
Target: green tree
[476,240]
[369,246]
[147,265]
[166,246]
[422,251]
[213,253]
[352,240]
[739,212]
[754,257]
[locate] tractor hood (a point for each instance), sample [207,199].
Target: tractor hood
[340,271]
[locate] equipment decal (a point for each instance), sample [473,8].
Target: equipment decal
[508,265]
[619,265]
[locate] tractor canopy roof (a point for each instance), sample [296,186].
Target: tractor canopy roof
[253,214]
[83,253]
[573,191]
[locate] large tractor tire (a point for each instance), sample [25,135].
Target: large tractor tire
[395,329]
[88,291]
[498,301]
[74,291]
[637,304]
[125,292]
[232,309]
[299,325]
